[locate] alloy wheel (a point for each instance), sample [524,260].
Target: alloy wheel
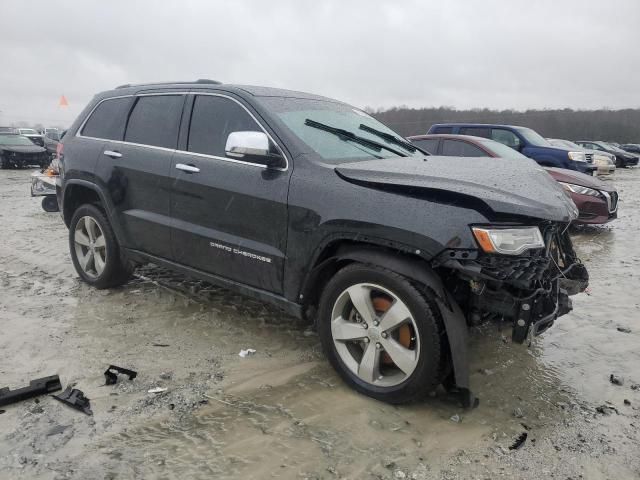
[375,335]
[90,246]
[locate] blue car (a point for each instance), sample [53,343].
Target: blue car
[524,140]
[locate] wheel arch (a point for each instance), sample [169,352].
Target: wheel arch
[78,192]
[341,253]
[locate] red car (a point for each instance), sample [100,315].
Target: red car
[597,201]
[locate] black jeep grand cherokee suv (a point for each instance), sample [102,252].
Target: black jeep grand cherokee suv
[313,205]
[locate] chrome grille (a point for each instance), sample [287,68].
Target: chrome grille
[589,157]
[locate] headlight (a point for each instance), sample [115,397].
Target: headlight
[602,160]
[508,241]
[580,189]
[577,156]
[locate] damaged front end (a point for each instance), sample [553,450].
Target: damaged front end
[529,289]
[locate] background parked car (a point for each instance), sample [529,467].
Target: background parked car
[7,130]
[51,140]
[632,148]
[597,201]
[606,162]
[32,135]
[18,151]
[524,140]
[623,159]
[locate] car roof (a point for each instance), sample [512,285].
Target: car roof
[492,125]
[452,136]
[256,91]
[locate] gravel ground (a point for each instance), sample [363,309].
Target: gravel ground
[283,412]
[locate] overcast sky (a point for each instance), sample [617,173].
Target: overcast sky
[490,53]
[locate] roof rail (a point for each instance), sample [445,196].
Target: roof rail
[200,80]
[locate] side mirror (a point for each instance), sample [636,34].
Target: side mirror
[253,147]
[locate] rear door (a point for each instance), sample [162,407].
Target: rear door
[229,216]
[137,169]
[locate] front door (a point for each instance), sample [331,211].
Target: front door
[229,216]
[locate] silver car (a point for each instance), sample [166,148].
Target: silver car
[605,162]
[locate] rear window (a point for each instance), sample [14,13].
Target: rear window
[155,120]
[442,130]
[459,148]
[476,131]
[428,144]
[108,119]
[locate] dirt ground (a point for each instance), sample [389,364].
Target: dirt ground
[283,412]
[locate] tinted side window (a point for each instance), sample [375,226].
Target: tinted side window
[108,120]
[505,137]
[212,120]
[458,148]
[442,130]
[428,144]
[476,131]
[155,120]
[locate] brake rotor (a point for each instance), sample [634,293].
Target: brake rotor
[381,304]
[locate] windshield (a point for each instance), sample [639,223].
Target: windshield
[28,131]
[533,137]
[15,140]
[294,112]
[500,149]
[53,136]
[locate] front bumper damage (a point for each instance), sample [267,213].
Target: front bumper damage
[531,290]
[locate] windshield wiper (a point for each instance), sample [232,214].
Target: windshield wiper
[390,138]
[346,135]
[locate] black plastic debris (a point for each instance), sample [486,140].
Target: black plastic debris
[607,410]
[616,380]
[75,399]
[111,374]
[37,387]
[519,441]
[624,329]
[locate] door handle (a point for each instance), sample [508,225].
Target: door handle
[112,154]
[187,168]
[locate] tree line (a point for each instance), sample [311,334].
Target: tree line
[622,126]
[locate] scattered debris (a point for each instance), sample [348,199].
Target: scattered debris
[36,387]
[111,374]
[519,441]
[627,402]
[606,410]
[75,398]
[247,352]
[635,386]
[166,375]
[624,329]
[2,411]
[160,345]
[455,418]
[518,413]
[158,390]
[616,380]
[58,429]
[399,474]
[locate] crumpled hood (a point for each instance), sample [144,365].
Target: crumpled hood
[516,187]
[22,148]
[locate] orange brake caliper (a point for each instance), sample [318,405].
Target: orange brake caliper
[381,305]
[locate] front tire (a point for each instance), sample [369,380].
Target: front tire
[380,334]
[94,249]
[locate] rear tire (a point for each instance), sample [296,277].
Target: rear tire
[94,249]
[403,370]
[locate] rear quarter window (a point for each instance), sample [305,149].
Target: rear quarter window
[108,120]
[428,144]
[458,148]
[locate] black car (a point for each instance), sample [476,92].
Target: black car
[18,151]
[623,159]
[632,148]
[33,135]
[316,207]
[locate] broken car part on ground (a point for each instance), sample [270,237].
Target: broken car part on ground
[352,237]
[40,386]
